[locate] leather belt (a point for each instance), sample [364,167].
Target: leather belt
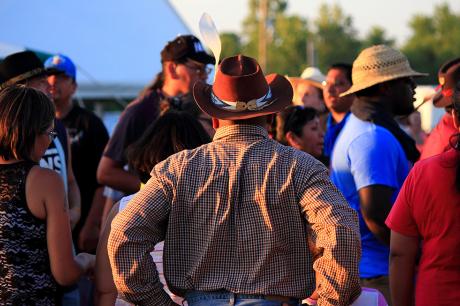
[276,298]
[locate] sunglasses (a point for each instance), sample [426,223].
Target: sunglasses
[198,69]
[52,134]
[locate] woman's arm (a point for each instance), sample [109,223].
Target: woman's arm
[46,199]
[403,253]
[106,292]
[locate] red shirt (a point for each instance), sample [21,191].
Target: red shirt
[428,207]
[439,138]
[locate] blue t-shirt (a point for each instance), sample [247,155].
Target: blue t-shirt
[367,154]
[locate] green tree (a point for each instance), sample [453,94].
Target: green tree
[251,23]
[231,44]
[334,36]
[434,40]
[287,51]
[286,37]
[377,36]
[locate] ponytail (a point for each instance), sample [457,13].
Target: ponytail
[156,84]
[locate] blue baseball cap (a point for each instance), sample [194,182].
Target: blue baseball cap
[59,63]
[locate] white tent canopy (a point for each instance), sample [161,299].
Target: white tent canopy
[111,41]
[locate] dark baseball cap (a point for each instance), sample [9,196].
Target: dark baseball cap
[449,77]
[186,47]
[20,66]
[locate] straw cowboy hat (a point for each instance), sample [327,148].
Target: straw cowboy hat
[378,64]
[241,91]
[20,66]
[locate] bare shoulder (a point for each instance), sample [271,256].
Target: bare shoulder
[44,177]
[42,185]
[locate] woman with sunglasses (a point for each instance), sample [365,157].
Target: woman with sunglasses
[35,236]
[299,127]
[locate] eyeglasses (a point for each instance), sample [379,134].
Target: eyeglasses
[52,134]
[198,69]
[334,84]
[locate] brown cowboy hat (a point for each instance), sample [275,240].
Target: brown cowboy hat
[449,77]
[241,91]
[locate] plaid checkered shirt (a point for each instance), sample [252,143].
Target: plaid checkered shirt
[237,214]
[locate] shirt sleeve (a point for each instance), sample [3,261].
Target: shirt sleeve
[374,160]
[120,138]
[135,231]
[335,230]
[401,219]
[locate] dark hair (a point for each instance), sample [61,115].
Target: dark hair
[159,80]
[156,84]
[345,68]
[293,119]
[25,113]
[169,134]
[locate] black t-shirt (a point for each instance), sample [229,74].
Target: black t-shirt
[133,122]
[88,138]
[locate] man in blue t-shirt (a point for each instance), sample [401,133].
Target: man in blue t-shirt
[338,80]
[372,155]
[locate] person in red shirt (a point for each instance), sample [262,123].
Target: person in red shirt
[428,209]
[438,140]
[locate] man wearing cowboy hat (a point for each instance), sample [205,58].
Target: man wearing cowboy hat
[439,139]
[184,61]
[235,214]
[372,155]
[308,89]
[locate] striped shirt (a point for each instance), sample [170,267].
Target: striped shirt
[237,214]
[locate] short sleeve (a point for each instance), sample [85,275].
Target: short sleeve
[116,145]
[401,218]
[133,122]
[374,160]
[100,135]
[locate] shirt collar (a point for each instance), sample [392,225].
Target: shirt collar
[240,129]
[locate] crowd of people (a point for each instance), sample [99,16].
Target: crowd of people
[255,190]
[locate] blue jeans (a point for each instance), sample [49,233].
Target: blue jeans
[225,298]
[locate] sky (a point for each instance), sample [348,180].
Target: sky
[391,15]
[110,41]
[119,41]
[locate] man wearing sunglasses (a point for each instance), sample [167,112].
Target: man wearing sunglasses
[184,61]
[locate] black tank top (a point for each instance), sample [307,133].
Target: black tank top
[25,274]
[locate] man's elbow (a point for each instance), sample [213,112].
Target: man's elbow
[102,177]
[103,174]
